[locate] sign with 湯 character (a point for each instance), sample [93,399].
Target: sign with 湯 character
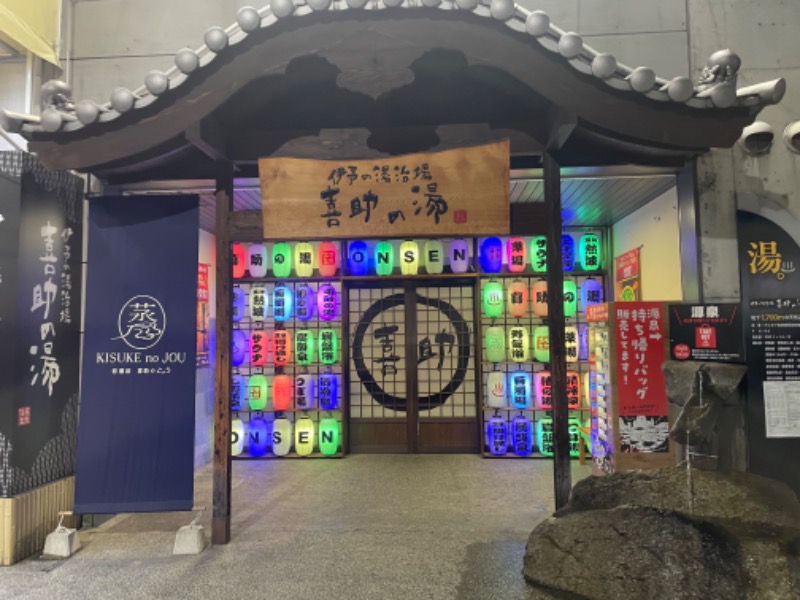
[461,192]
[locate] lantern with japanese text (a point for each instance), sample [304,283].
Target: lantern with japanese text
[539,254]
[409,257]
[541,344]
[544,436]
[497,435]
[281,436]
[305,388]
[583,342]
[589,252]
[591,293]
[238,304]
[459,256]
[281,260]
[517,294]
[328,346]
[434,257]
[327,302]
[281,348]
[305,301]
[495,344]
[357,258]
[328,391]
[237,437]
[567,252]
[238,347]
[238,260]
[586,386]
[573,426]
[522,436]
[571,342]
[258,348]
[257,260]
[303,259]
[304,435]
[519,383]
[492,255]
[516,254]
[573,389]
[496,389]
[539,298]
[518,344]
[259,436]
[282,391]
[238,391]
[258,303]
[282,303]
[327,259]
[329,433]
[570,298]
[543,390]
[384,258]
[304,350]
[257,392]
[493,299]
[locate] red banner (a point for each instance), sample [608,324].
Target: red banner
[203,329]
[627,287]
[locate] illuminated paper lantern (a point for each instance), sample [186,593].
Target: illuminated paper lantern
[495,344]
[327,302]
[238,347]
[541,344]
[459,256]
[583,342]
[516,254]
[259,436]
[574,437]
[238,260]
[543,390]
[305,301]
[567,252]
[281,437]
[571,342]
[329,433]
[492,255]
[539,298]
[434,257]
[328,391]
[282,391]
[493,299]
[258,303]
[257,392]
[586,387]
[573,389]
[237,437]
[384,258]
[258,348]
[303,259]
[257,260]
[589,252]
[328,346]
[591,293]
[304,350]
[357,258]
[497,435]
[238,391]
[305,389]
[519,383]
[304,434]
[281,260]
[282,303]
[327,259]
[409,257]
[238,304]
[539,254]
[544,436]
[522,436]
[518,344]
[281,348]
[496,389]
[517,299]
[570,298]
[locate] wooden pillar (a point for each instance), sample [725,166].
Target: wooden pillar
[562,479]
[221,522]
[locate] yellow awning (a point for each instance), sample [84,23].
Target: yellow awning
[33,25]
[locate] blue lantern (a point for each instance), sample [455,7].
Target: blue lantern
[328,391]
[492,255]
[305,299]
[568,252]
[358,258]
[520,384]
[238,389]
[583,344]
[522,436]
[259,436]
[282,303]
[497,435]
[238,347]
[238,304]
[327,302]
[591,293]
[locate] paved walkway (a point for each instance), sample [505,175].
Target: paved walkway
[373,527]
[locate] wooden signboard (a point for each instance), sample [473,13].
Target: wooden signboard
[462,192]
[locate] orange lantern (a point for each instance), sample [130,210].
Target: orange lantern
[282,392]
[517,294]
[539,298]
[327,259]
[281,348]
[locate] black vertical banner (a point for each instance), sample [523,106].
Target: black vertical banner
[136,431]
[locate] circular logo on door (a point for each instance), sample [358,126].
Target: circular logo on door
[682,352]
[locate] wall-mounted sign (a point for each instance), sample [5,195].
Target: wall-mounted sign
[707,332]
[461,192]
[627,287]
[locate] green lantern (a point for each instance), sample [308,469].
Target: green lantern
[281,260]
[541,344]
[328,346]
[495,342]
[384,258]
[539,254]
[304,259]
[409,257]
[589,252]
[304,347]
[570,298]
[329,436]
[493,299]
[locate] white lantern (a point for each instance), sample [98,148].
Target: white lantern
[496,389]
[257,260]
[281,437]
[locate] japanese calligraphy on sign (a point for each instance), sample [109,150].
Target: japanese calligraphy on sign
[454,192]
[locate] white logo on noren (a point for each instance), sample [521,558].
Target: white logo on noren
[141,322]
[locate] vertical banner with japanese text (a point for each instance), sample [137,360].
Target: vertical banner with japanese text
[203,315]
[136,432]
[627,287]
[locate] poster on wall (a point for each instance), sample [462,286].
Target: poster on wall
[136,432]
[706,332]
[627,287]
[203,315]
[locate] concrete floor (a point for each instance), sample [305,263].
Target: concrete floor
[376,527]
